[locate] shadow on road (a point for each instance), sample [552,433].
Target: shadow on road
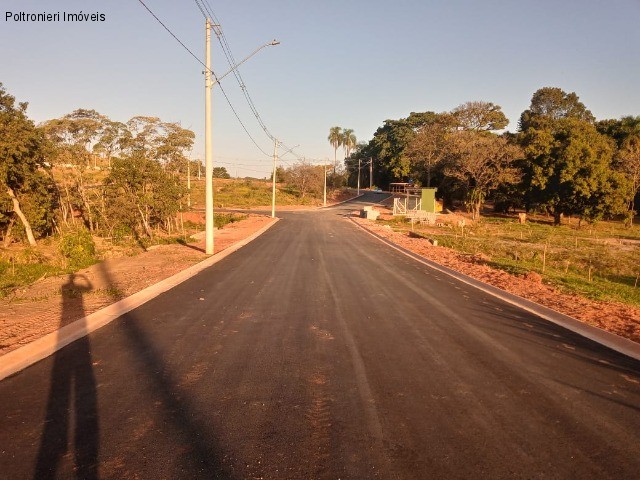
[72,398]
[202,456]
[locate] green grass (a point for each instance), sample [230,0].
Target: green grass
[246,194]
[599,261]
[15,275]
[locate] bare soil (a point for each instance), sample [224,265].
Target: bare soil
[623,320]
[35,311]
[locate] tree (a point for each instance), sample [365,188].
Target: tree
[569,169]
[480,116]
[113,138]
[162,141]
[427,149]
[305,178]
[553,103]
[335,139]
[481,162]
[629,164]
[220,172]
[21,158]
[389,144]
[141,194]
[349,141]
[78,131]
[174,142]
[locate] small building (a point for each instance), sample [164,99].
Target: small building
[400,187]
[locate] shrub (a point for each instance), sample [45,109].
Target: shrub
[78,249]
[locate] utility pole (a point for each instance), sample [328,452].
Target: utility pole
[208,161]
[189,182]
[370,173]
[325,185]
[358,176]
[273,193]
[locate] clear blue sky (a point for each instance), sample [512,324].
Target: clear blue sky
[346,63]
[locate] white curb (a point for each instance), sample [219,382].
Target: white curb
[41,348]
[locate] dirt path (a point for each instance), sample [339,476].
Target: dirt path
[36,310]
[623,320]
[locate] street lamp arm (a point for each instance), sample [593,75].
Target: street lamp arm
[235,67]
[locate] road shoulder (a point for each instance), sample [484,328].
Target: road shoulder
[614,325]
[35,328]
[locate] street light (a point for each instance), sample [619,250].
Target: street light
[208,85]
[272,43]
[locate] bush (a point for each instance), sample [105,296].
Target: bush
[78,249]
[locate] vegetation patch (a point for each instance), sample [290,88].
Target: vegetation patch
[598,261]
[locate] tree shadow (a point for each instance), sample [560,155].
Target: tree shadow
[72,398]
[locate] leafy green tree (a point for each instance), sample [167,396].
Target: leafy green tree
[620,129]
[221,172]
[141,194]
[113,137]
[569,168]
[389,144]
[335,139]
[628,163]
[280,174]
[78,131]
[553,103]
[162,141]
[74,138]
[480,116]
[21,162]
[174,144]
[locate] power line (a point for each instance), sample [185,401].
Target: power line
[226,48]
[212,73]
[228,53]
[176,38]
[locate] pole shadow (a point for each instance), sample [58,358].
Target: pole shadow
[204,458]
[191,246]
[72,399]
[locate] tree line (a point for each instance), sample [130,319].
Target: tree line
[561,160]
[114,178]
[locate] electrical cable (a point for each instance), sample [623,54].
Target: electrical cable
[222,39]
[210,71]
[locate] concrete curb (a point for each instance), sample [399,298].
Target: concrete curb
[339,203]
[41,348]
[611,340]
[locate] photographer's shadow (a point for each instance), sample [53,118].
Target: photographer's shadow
[72,398]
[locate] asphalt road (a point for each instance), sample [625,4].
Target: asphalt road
[318,352]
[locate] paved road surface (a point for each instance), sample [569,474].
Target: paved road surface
[318,352]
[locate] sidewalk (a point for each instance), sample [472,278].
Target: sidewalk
[36,311]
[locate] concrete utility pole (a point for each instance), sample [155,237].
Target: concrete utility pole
[358,176]
[208,85]
[189,182]
[208,161]
[273,193]
[370,173]
[325,185]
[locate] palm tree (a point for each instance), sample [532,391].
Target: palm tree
[349,141]
[335,139]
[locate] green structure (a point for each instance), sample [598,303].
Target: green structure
[428,200]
